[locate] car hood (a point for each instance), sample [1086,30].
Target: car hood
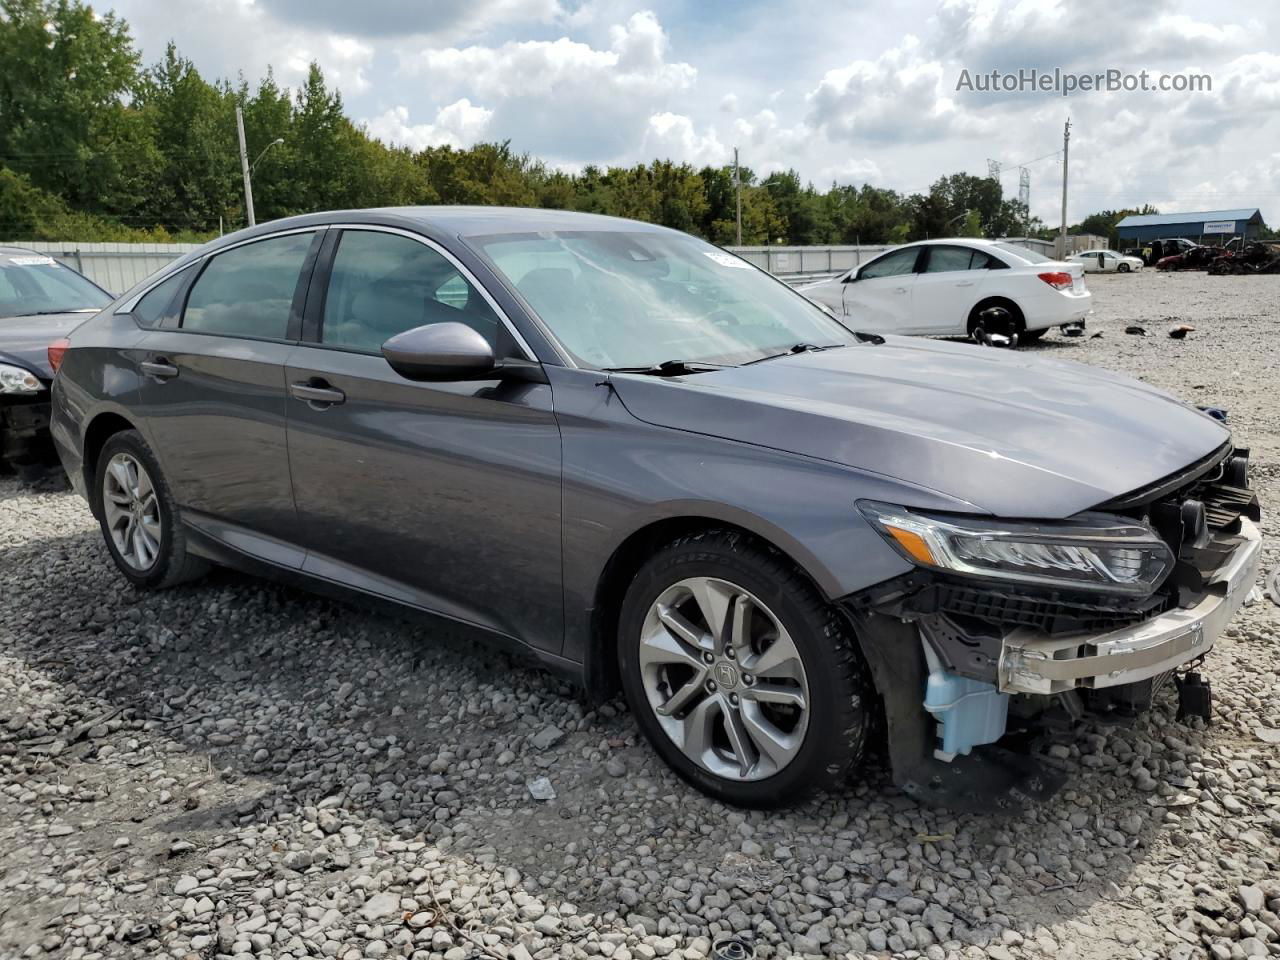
[1011,433]
[25,340]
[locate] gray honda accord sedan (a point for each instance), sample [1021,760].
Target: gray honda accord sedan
[655,467]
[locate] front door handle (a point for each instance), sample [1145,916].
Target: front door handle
[899,289]
[319,394]
[964,283]
[160,368]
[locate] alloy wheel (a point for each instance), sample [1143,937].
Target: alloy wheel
[724,679]
[132,511]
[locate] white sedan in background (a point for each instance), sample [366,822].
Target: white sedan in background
[939,287]
[1106,261]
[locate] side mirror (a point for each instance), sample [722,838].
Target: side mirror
[440,351]
[852,277]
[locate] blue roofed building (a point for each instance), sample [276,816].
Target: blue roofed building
[1204,226]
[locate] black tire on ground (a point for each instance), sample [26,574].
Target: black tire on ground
[1122,268]
[842,700]
[1019,322]
[173,564]
[1031,336]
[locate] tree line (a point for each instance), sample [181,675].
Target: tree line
[95,145]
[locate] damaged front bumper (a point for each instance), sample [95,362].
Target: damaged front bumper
[24,429]
[1032,662]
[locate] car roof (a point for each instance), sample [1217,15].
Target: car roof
[6,249]
[975,241]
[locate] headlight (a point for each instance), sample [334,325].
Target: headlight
[17,380]
[1095,552]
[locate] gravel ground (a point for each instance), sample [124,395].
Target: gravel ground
[233,768]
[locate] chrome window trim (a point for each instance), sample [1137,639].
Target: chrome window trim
[129,305]
[458,265]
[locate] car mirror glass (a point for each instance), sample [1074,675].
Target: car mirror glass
[440,351]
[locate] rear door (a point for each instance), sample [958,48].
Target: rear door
[946,289]
[878,295]
[442,495]
[213,393]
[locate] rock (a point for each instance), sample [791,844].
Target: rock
[1252,898]
[546,738]
[185,885]
[381,906]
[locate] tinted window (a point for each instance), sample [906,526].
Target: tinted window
[247,292]
[157,304]
[891,264]
[949,259]
[383,284]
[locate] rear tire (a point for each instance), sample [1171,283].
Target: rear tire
[786,714]
[140,520]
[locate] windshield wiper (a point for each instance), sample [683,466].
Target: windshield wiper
[794,349]
[669,368]
[53,313]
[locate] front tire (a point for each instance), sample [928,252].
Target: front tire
[745,680]
[1123,268]
[140,520]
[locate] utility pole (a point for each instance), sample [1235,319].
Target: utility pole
[737,196]
[244,168]
[1066,144]
[1024,198]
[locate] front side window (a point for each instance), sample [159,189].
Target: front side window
[157,303]
[32,284]
[635,299]
[894,264]
[382,284]
[248,291]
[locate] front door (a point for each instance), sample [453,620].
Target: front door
[879,295]
[442,495]
[213,394]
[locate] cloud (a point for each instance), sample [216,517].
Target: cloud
[563,99]
[460,124]
[442,19]
[673,137]
[898,97]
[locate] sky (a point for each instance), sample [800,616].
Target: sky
[846,92]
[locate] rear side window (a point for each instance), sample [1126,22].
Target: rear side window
[951,259]
[382,284]
[248,291]
[158,303]
[891,264]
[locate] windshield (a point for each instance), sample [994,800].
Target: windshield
[620,299]
[1022,253]
[31,284]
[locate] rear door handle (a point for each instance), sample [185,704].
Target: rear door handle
[964,283]
[899,289]
[160,368]
[318,394]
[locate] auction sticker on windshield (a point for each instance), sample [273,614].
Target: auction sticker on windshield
[726,259]
[33,261]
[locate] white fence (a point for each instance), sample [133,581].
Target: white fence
[113,266]
[118,266]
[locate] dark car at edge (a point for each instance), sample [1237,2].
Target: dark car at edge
[41,301]
[656,468]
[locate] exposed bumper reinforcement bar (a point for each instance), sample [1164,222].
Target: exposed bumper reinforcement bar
[1033,662]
